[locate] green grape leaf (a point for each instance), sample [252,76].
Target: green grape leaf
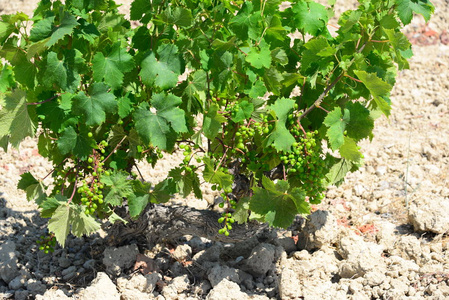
[136,204]
[124,106]
[338,172]
[82,223]
[245,110]
[34,189]
[336,123]
[49,205]
[112,67]
[241,212]
[212,122]
[257,90]
[310,16]
[224,180]
[187,182]
[164,191]
[67,141]
[15,120]
[158,73]
[281,136]
[406,8]
[42,29]
[68,23]
[273,80]
[79,144]
[279,55]
[350,150]
[241,22]
[113,218]
[378,88]
[274,28]
[196,83]
[6,80]
[259,58]
[140,8]
[96,104]
[59,223]
[361,124]
[110,21]
[277,203]
[117,187]
[155,125]
[140,198]
[179,16]
[58,72]
[87,31]
[24,70]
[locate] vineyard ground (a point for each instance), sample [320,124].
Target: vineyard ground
[383,234]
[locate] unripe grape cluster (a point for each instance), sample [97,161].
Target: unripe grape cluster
[306,164]
[91,190]
[47,243]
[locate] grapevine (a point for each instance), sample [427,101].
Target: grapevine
[270,109]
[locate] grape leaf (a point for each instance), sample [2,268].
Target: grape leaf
[259,58]
[240,23]
[117,187]
[275,30]
[273,79]
[15,120]
[82,223]
[406,8]
[349,150]
[310,16]
[336,122]
[136,204]
[140,198]
[59,223]
[124,105]
[112,67]
[361,124]
[195,84]
[42,29]
[277,203]
[24,70]
[338,172]
[95,105]
[187,182]
[67,141]
[6,80]
[281,137]
[49,205]
[140,8]
[378,88]
[34,189]
[244,112]
[179,16]
[212,122]
[57,71]
[224,180]
[163,191]
[68,23]
[158,73]
[157,127]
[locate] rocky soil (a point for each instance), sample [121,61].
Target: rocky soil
[383,234]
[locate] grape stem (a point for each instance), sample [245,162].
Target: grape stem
[116,147]
[74,190]
[45,101]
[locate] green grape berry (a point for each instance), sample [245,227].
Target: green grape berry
[90,134]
